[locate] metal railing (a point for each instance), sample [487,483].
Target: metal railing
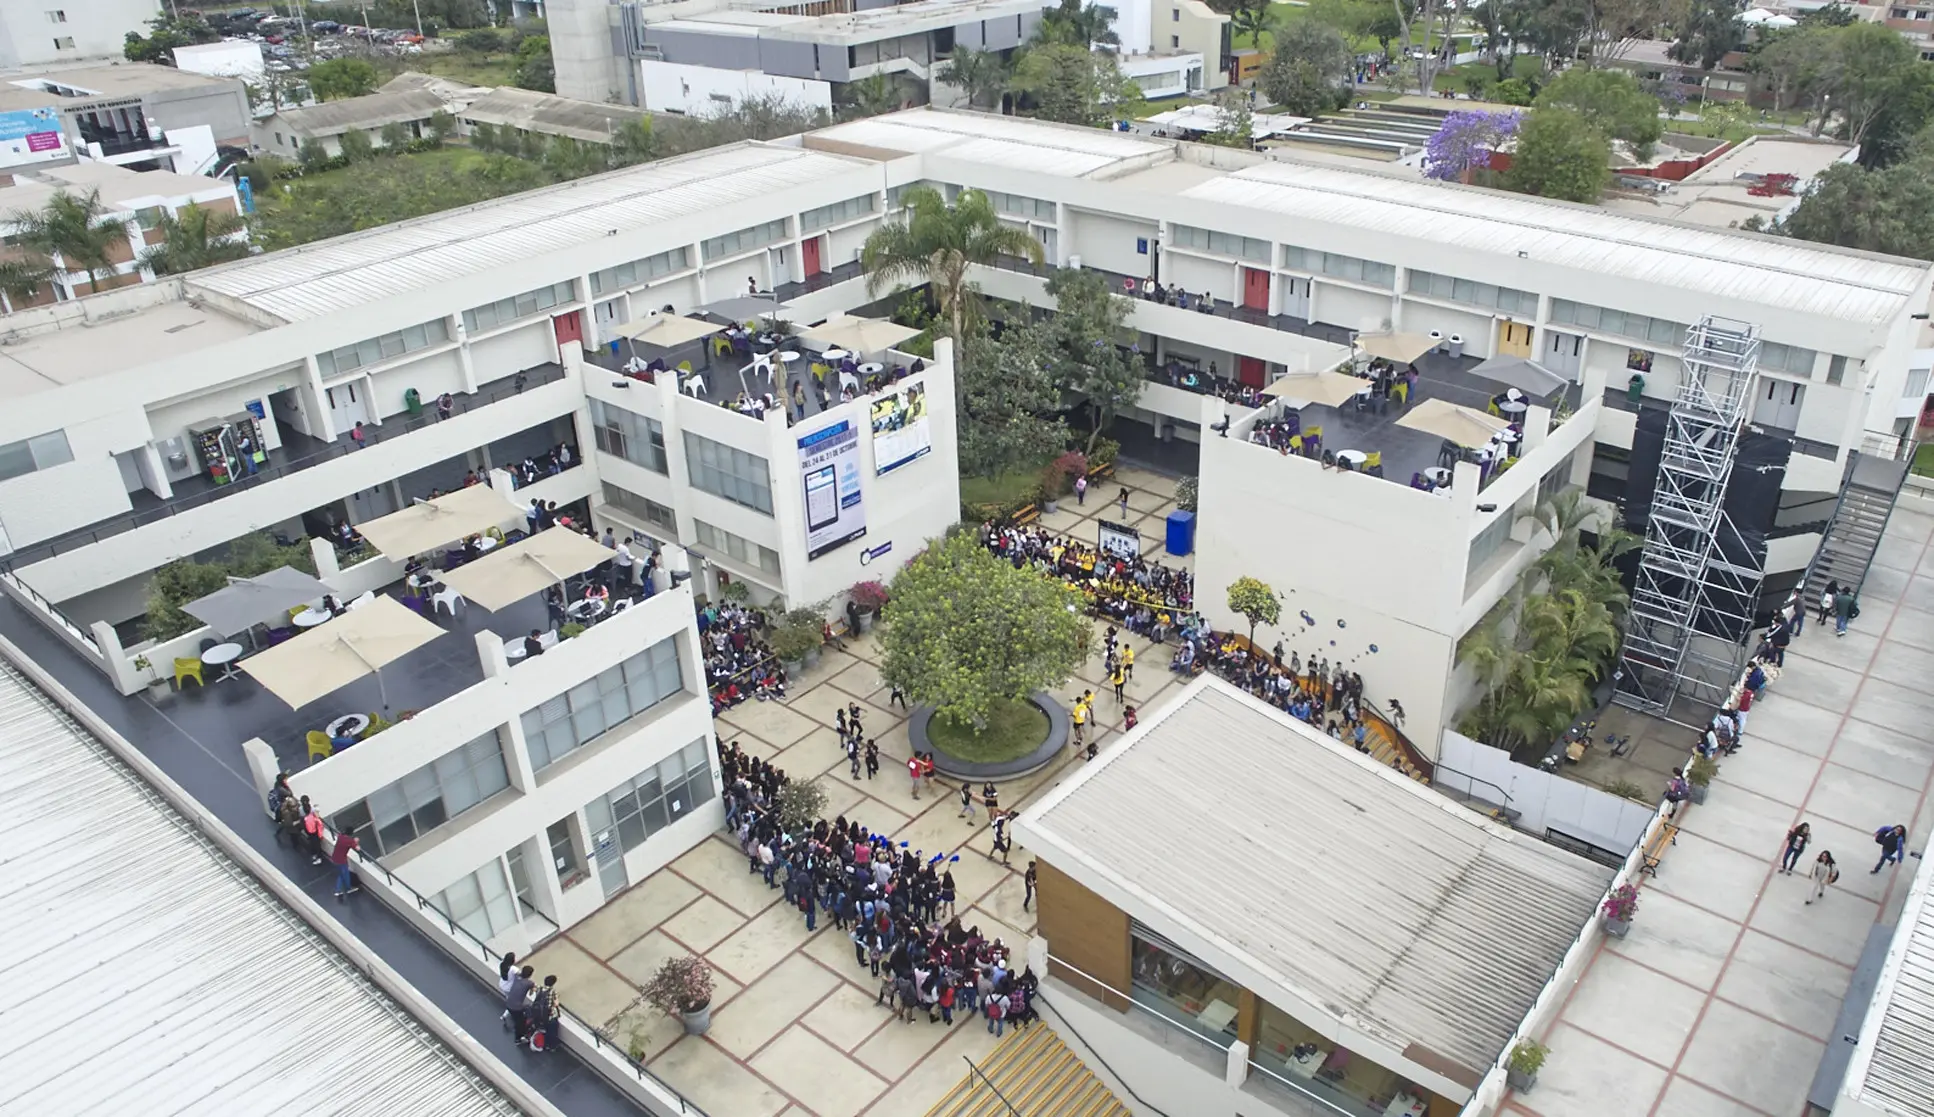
[975,1072]
[50,609]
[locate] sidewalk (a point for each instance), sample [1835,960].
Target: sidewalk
[1723,998]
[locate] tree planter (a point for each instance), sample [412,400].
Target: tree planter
[1617,927]
[866,620]
[793,667]
[697,1021]
[1050,507]
[1520,1083]
[159,689]
[812,658]
[1697,792]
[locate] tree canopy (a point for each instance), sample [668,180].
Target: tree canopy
[938,244]
[1610,101]
[1091,326]
[1074,85]
[980,74]
[339,78]
[76,228]
[1007,395]
[1708,31]
[1309,74]
[1559,155]
[1465,142]
[164,35]
[1890,209]
[969,632]
[196,237]
[1253,600]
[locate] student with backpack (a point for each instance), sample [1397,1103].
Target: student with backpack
[1893,845]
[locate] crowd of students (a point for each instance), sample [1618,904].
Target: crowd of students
[739,663]
[1145,597]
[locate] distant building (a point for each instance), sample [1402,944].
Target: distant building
[33,33]
[230,58]
[1763,177]
[548,114]
[136,115]
[285,132]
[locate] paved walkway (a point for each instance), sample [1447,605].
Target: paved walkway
[1724,997]
[794,1026]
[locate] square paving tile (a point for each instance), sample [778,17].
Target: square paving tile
[1771,770]
[1673,936]
[710,1077]
[1799,989]
[636,911]
[1740,817]
[720,867]
[1818,684]
[1795,724]
[1895,757]
[1587,1077]
[1740,1056]
[1686,1098]
[1856,852]
[822,703]
[931,1079]
[1818,644]
[641,960]
[1892,706]
[762,943]
[1899,550]
[770,1005]
[814,1071]
[862,680]
[1641,1010]
[1004,903]
[1063,519]
[593,992]
[1912,626]
[1860,800]
[816,752]
[1835,925]
[703,924]
[1883,587]
[894,1049]
[848,1017]
[1715,877]
[1901,663]
[835,952]
[975,875]
[772,722]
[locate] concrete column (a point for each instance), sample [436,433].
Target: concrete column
[262,768]
[1537,428]
[464,360]
[324,553]
[1238,1069]
[322,425]
[154,471]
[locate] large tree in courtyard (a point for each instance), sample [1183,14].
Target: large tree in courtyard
[936,244]
[1091,327]
[969,633]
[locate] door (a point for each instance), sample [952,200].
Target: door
[346,405]
[809,256]
[1255,289]
[1514,339]
[1779,403]
[1564,353]
[611,863]
[1296,298]
[569,329]
[1250,370]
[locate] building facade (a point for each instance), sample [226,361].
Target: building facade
[37,34]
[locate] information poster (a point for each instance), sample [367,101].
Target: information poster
[829,462]
[901,430]
[31,136]
[1119,540]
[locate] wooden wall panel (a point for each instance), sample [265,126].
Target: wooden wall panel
[1085,931]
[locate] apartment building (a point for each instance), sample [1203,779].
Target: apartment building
[58,33]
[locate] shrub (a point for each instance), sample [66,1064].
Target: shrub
[791,643]
[1104,454]
[1702,771]
[800,805]
[681,985]
[735,591]
[1186,493]
[1527,1057]
[871,595]
[1625,789]
[570,630]
[1059,475]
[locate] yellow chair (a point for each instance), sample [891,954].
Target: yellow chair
[685,367]
[296,609]
[1492,408]
[1314,432]
[752,324]
[187,668]
[495,532]
[721,347]
[319,746]
[1373,460]
[1295,443]
[1402,391]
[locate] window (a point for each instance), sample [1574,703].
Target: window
[640,271]
[1226,244]
[1181,988]
[722,542]
[508,310]
[394,816]
[1521,303]
[1342,267]
[1836,368]
[1487,543]
[17,459]
[1659,331]
[57,16]
[637,439]
[480,903]
[1021,206]
[1175,15]
[278,139]
[580,715]
[737,476]
[377,349]
[658,797]
[645,508]
[65,42]
[1556,479]
[745,240]
[827,216]
[1175,42]
[894,194]
[564,854]
[1786,358]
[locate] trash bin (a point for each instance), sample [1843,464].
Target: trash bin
[1456,346]
[413,402]
[1634,388]
[1437,340]
[1181,532]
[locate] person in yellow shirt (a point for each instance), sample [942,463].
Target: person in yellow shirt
[1127,659]
[1118,680]
[1079,716]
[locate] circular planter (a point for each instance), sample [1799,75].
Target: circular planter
[1050,507]
[1617,927]
[956,768]
[697,1021]
[793,667]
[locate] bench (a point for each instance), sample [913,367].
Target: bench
[1655,849]
[1026,515]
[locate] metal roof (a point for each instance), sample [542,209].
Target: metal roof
[1893,1068]
[1775,272]
[553,115]
[331,275]
[162,979]
[372,110]
[1002,141]
[1402,913]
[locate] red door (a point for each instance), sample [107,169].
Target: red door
[810,249]
[1249,370]
[569,329]
[1255,289]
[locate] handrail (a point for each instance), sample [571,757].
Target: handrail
[975,1072]
[50,608]
[1504,797]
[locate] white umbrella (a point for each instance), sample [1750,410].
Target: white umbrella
[1331,389]
[510,574]
[440,522]
[1461,425]
[860,335]
[1398,347]
[247,602]
[331,656]
[666,330]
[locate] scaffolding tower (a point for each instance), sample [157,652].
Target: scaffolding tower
[1698,581]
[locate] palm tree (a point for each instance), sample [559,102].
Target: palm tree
[872,96]
[1251,20]
[195,238]
[1072,24]
[937,244]
[72,232]
[981,74]
[22,277]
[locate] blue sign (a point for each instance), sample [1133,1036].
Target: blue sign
[31,135]
[1141,246]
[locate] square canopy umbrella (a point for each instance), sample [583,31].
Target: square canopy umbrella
[1461,425]
[510,574]
[860,335]
[331,656]
[743,308]
[1398,347]
[247,602]
[1522,373]
[440,522]
[1331,389]
[666,330]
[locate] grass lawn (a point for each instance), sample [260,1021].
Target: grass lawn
[448,160]
[1015,729]
[1016,486]
[1924,460]
[500,69]
[1716,130]
[1526,66]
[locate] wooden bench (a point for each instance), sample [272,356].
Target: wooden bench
[1026,515]
[1655,849]
[1101,472]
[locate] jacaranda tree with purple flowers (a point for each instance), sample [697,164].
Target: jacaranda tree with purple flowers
[1466,141]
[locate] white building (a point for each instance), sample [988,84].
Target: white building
[37,34]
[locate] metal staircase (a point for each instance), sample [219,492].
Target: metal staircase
[1859,520]
[1698,578]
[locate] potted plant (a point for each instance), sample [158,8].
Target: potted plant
[1521,1068]
[736,592]
[157,686]
[1618,910]
[1058,476]
[1699,777]
[869,597]
[806,619]
[682,987]
[793,644]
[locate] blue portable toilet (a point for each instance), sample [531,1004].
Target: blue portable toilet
[1181,532]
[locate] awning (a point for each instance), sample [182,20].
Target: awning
[1331,389]
[510,574]
[1401,348]
[666,330]
[1522,373]
[331,656]
[246,602]
[860,335]
[1461,425]
[440,522]
[744,308]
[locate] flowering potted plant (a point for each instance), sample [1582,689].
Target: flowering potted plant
[682,987]
[1618,909]
[1521,1068]
[869,597]
[1057,477]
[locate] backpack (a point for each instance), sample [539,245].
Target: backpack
[1881,835]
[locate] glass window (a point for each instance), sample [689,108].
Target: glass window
[574,719]
[636,438]
[504,311]
[723,471]
[1788,358]
[722,542]
[1300,1058]
[480,903]
[643,507]
[564,854]
[658,796]
[1487,543]
[1183,989]
[838,213]
[1658,331]
[1225,244]
[17,459]
[396,815]
[634,272]
[1507,299]
[1837,369]
[745,240]
[371,350]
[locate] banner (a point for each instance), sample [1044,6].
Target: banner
[1119,540]
[31,136]
[900,425]
[829,462]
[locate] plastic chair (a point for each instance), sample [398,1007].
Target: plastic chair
[721,347]
[495,532]
[448,599]
[187,668]
[1373,460]
[1314,432]
[1492,408]
[1401,389]
[685,367]
[319,746]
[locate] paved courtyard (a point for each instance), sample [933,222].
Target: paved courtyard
[1724,997]
[794,1027]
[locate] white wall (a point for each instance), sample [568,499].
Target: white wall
[505,354]
[431,377]
[230,58]
[1107,241]
[1542,798]
[1348,306]
[99,29]
[694,90]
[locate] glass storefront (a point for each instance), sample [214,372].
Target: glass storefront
[1302,1061]
[1183,989]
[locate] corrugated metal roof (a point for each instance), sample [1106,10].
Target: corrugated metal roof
[372,110]
[154,976]
[1775,272]
[1410,916]
[314,280]
[1894,1071]
[1001,141]
[553,115]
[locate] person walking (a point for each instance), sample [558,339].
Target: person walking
[1081,490]
[1796,840]
[345,876]
[898,696]
[872,758]
[545,1013]
[1078,717]
[1118,679]
[1122,502]
[913,773]
[506,969]
[1001,843]
[357,439]
[1846,607]
[1027,885]
[853,755]
[1893,845]
[1127,659]
[517,1002]
[966,802]
[1824,872]
[1827,597]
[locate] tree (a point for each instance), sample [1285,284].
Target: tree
[1611,102]
[1249,20]
[196,237]
[275,89]
[1465,142]
[535,68]
[312,155]
[23,276]
[1309,74]
[442,126]
[483,42]
[1255,601]
[873,95]
[339,78]
[73,232]
[1090,321]
[396,137]
[969,633]
[182,581]
[1791,63]
[1889,210]
[1006,395]
[799,804]
[165,35]
[1073,85]
[1708,32]
[981,75]
[938,244]
[385,191]
[1559,156]
[356,145]
[1235,120]
[1071,24]
[634,143]
[1868,67]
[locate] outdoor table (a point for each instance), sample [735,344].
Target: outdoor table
[1512,407]
[349,725]
[871,368]
[587,609]
[486,543]
[1356,458]
[1307,1066]
[224,657]
[1217,1016]
[835,355]
[786,356]
[1438,476]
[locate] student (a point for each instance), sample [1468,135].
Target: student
[534,643]
[1118,680]
[506,969]
[1078,716]
[872,758]
[312,831]
[1122,502]
[345,876]
[357,439]
[913,773]
[1081,489]
[1846,607]
[544,1015]
[1893,845]
[1128,659]
[517,1002]
[1825,872]
[1827,597]
[1796,840]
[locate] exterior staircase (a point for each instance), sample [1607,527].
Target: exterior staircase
[1030,1074]
[1388,746]
[1859,519]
